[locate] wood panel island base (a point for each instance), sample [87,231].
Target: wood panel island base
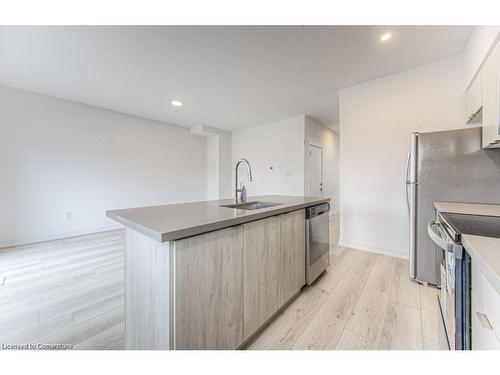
[202,276]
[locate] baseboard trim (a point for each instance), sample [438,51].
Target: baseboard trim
[58,236]
[373,249]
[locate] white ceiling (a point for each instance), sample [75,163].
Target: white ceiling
[227,77]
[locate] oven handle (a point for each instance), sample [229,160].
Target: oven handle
[450,246]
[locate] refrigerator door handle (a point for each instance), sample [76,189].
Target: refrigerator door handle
[407,181]
[411,201]
[408,156]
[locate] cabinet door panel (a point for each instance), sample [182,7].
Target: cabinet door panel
[208,290]
[293,252]
[483,335]
[262,268]
[485,313]
[491,98]
[497,50]
[474,99]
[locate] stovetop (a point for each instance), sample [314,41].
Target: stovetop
[478,225]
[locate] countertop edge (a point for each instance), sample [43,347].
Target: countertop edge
[217,225]
[136,226]
[194,231]
[481,209]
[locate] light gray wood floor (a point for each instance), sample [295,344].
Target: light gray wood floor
[71,291]
[363,301]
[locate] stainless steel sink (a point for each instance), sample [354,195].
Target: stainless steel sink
[256,205]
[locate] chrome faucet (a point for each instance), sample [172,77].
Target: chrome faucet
[249,171]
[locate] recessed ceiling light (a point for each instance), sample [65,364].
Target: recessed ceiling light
[176,103]
[385,37]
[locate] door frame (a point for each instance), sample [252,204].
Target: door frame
[311,145]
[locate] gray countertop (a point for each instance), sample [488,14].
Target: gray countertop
[176,221]
[484,251]
[468,208]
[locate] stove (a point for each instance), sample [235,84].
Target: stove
[446,232]
[478,225]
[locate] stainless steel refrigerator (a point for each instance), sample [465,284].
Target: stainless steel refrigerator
[446,166]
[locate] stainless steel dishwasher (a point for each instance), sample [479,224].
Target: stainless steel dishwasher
[317,241]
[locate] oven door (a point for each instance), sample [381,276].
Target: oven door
[450,298]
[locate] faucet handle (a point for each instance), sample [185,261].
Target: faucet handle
[243,196]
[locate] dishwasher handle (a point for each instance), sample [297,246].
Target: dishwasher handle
[317,210]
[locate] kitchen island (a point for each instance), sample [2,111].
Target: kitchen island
[210,275]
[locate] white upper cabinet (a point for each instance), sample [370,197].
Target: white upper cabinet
[474,100]
[483,99]
[491,99]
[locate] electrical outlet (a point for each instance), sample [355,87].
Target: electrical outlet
[69,215]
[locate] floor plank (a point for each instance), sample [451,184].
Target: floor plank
[37,334]
[112,338]
[430,317]
[286,328]
[367,318]
[53,291]
[338,268]
[402,328]
[324,331]
[350,340]
[82,332]
[404,290]
[18,322]
[99,307]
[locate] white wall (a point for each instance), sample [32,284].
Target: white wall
[58,156]
[218,160]
[213,167]
[376,119]
[225,149]
[276,152]
[279,154]
[478,46]
[319,135]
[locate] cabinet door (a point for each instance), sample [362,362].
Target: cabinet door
[293,252]
[491,98]
[262,272]
[209,290]
[485,312]
[497,50]
[474,99]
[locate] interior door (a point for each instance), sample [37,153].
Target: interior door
[315,171]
